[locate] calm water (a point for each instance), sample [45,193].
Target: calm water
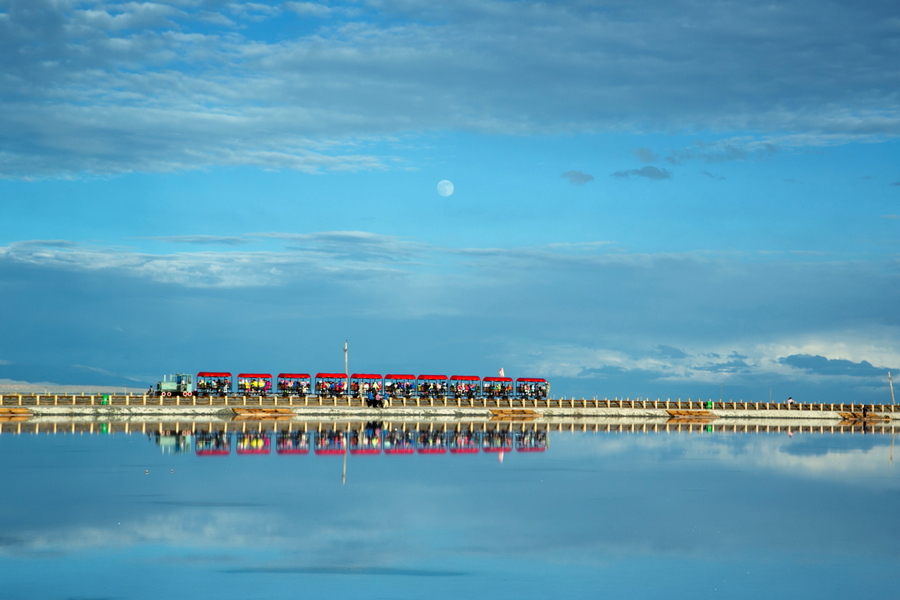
[595,515]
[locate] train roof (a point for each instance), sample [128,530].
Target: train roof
[434,377]
[465,378]
[294,375]
[395,376]
[269,375]
[532,379]
[341,375]
[212,374]
[498,379]
[365,376]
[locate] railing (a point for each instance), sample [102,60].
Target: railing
[442,402]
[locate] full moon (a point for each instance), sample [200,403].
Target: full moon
[445,188]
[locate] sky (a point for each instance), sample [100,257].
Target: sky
[664,199]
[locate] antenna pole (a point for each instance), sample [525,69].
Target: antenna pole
[891,384]
[344,471]
[346,363]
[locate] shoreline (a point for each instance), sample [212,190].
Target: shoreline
[222,414]
[129,404]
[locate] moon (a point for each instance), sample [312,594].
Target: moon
[445,188]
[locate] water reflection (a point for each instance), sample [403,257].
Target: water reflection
[625,513]
[216,443]
[367,440]
[400,441]
[374,438]
[177,442]
[253,443]
[292,442]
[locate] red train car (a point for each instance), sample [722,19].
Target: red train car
[465,386]
[213,383]
[294,384]
[254,384]
[498,387]
[331,385]
[432,386]
[399,385]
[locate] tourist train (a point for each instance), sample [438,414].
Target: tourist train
[358,385]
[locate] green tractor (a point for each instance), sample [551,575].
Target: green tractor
[179,384]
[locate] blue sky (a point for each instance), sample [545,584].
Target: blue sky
[668,199]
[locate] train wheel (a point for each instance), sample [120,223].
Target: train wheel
[188,394]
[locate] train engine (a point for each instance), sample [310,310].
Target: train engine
[179,384]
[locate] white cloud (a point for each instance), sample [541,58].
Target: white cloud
[309,8]
[714,363]
[869,466]
[159,86]
[584,311]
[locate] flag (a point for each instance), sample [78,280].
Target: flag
[502,374]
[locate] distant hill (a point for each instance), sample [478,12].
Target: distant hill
[80,377]
[9,386]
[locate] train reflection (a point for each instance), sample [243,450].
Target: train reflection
[292,442]
[497,441]
[400,441]
[173,442]
[464,442]
[531,441]
[432,442]
[366,441]
[253,443]
[213,443]
[331,442]
[371,439]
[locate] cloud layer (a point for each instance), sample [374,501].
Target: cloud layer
[616,322]
[122,86]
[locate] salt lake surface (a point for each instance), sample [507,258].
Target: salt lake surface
[594,515]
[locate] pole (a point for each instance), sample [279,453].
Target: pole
[891,384]
[346,363]
[344,471]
